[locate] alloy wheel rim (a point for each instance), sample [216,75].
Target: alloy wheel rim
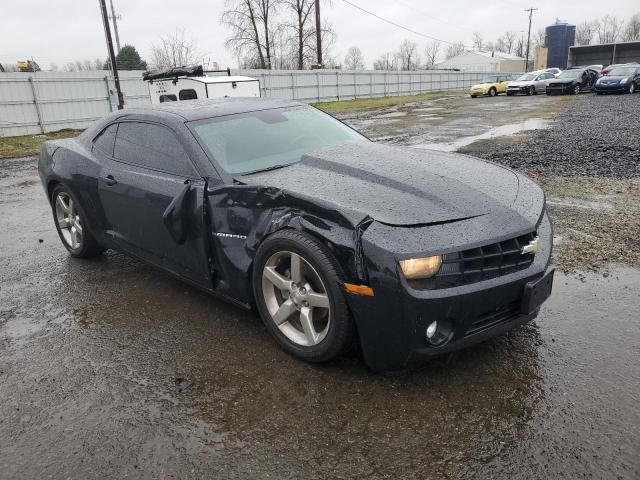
[296,298]
[632,88]
[68,220]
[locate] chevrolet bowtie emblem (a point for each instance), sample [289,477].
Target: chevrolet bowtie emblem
[531,247]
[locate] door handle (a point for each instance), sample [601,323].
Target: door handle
[109,180]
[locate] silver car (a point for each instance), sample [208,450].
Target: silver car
[530,83]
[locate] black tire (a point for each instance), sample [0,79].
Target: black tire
[549,94]
[493,92]
[632,88]
[473,96]
[88,246]
[532,90]
[341,331]
[509,94]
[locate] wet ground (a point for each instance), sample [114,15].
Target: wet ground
[111,369]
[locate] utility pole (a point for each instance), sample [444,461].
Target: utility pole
[115,19]
[526,63]
[112,55]
[318,34]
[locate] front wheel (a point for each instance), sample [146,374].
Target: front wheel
[531,90]
[492,92]
[632,87]
[297,287]
[72,226]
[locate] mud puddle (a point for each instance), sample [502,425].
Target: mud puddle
[495,132]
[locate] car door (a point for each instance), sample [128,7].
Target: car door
[152,199]
[502,84]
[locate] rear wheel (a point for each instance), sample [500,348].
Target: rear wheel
[531,90]
[71,224]
[493,92]
[297,286]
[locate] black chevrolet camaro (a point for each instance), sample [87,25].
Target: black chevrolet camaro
[336,240]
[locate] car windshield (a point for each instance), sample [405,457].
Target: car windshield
[489,80]
[255,141]
[622,71]
[570,74]
[527,76]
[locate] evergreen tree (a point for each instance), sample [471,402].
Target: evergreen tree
[128,58]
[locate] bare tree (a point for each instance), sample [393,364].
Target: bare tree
[520,47]
[252,28]
[632,30]
[354,60]
[303,24]
[608,29]
[408,55]
[454,50]
[328,40]
[538,38]
[386,61]
[501,44]
[173,51]
[509,41]
[431,51]
[478,41]
[584,33]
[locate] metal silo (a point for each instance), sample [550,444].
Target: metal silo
[558,38]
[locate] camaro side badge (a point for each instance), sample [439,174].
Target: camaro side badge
[531,247]
[230,235]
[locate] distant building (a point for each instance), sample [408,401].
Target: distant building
[494,62]
[557,39]
[540,55]
[604,54]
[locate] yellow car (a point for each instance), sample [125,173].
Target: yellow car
[490,85]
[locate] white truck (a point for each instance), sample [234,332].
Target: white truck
[190,83]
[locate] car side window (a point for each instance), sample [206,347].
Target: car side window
[188,94]
[105,140]
[168,98]
[152,146]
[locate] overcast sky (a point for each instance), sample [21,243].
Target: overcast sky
[61,31]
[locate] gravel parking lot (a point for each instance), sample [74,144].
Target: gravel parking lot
[111,369]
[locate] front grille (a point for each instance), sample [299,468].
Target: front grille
[478,264]
[495,317]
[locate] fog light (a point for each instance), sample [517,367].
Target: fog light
[431,330]
[439,332]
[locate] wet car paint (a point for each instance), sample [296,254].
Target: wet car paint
[331,193]
[110,368]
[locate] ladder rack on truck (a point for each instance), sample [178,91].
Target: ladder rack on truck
[190,83]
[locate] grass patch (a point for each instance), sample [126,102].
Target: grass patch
[29,145]
[367,103]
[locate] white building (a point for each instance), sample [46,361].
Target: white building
[496,62]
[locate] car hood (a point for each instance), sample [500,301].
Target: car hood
[396,185]
[613,79]
[481,85]
[566,81]
[520,83]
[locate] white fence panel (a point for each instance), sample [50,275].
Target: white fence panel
[32,103]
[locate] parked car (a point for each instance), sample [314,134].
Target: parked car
[555,71]
[620,80]
[274,204]
[605,71]
[530,83]
[573,81]
[490,85]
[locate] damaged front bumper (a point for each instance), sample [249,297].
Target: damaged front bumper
[392,324]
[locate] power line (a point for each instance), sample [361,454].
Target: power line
[397,24]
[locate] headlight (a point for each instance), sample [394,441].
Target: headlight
[623,81]
[415,268]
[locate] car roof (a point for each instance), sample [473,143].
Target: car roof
[191,110]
